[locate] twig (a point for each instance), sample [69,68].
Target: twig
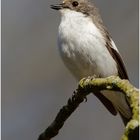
[63,115]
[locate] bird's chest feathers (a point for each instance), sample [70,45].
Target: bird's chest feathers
[81,44]
[77,34]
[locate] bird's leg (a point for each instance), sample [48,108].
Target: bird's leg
[86,79]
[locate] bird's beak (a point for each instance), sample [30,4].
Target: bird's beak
[57,6]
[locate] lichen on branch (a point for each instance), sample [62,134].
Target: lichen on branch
[89,85]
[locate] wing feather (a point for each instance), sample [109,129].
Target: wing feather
[117,57]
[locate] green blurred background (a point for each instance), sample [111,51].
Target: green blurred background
[35,83]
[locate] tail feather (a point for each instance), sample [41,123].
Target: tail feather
[118,99]
[107,103]
[124,119]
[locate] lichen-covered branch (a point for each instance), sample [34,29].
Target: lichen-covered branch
[117,84]
[88,85]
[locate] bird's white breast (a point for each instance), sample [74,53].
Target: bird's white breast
[82,46]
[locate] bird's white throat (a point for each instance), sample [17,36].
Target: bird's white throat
[82,46]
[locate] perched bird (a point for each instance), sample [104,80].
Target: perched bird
[87,49]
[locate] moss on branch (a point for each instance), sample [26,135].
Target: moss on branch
[88,85]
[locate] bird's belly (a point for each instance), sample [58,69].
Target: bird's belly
[79,64]
[85,61]
[84,52]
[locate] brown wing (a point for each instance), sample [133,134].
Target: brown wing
[109,106]
[121,68]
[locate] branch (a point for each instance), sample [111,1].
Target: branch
[88,85]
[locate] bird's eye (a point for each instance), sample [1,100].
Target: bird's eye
[75,3]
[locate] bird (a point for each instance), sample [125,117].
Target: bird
[87,49]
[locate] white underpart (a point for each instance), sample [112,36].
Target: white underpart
[82,48]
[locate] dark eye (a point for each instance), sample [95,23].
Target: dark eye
[75,3]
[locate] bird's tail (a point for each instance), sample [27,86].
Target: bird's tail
[124,119]
[118,102]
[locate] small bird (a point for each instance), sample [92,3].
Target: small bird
[87,49]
